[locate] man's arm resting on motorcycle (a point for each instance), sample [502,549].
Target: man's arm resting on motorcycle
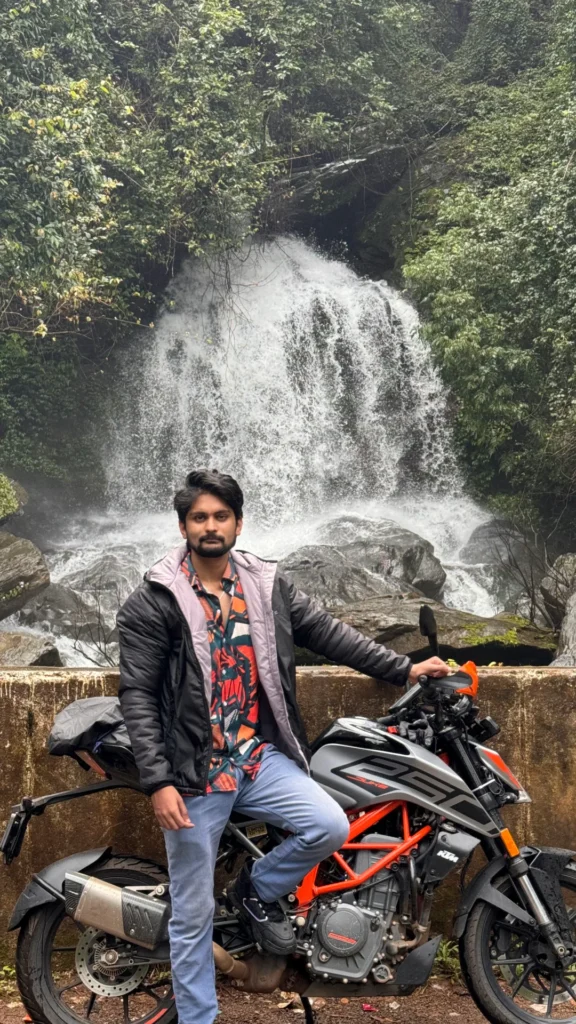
[143,660]
[322,633]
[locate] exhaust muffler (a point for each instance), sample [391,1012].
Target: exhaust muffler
[143,920]
[125,913]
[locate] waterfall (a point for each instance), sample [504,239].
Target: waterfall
[309,384]
[281,366]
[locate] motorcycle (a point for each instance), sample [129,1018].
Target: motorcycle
[422,792]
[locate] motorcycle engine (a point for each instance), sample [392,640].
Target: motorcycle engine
[349,932]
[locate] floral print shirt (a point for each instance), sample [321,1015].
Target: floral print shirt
[234,712]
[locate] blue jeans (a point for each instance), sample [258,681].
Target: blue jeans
[285,796]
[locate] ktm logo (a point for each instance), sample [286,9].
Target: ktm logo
[448,856]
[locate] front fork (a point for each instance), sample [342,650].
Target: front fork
[518,867]
[519,870]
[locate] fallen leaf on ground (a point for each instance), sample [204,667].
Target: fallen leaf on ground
[368,1008]
[345,1001]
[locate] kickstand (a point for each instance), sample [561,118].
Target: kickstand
[309,1015]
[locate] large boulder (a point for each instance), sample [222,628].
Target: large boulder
[394,622]
[557,586]
[17,650]
[324,573]
[516,564]
[62,612]
[384,547]
[23,573]
[110,572]
[566,654]
[496,541]
[105,582]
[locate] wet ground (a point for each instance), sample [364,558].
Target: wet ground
[439,1003]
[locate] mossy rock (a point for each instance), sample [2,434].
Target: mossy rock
[394,622]
[23,573]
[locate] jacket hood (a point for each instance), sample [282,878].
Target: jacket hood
[166,569]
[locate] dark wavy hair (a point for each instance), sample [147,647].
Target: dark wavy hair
[202,481]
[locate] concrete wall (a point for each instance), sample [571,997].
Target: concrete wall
[536,708]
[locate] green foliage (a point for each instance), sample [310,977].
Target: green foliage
[494,270]
[447,961]
[127,130]
[8,501]
[7,981]
[132,132]
[501,41]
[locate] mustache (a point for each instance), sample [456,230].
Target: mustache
[211,536]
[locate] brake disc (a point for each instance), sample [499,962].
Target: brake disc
[101,976]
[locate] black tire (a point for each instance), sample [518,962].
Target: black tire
[34,957]
[492,992]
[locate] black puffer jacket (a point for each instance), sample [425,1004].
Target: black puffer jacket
[165,669]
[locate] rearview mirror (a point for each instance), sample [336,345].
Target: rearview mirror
[428,625]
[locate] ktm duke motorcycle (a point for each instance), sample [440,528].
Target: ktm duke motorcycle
[422,792]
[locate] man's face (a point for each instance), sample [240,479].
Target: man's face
[211,528]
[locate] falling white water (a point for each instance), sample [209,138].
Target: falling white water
[311,385]
[282,366]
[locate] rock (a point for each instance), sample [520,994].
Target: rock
[384,547]
[566,654]
[557,586]
[393,621]
[23,573]
[494,541]
[324,573]
[106,581]
[113,571]
[516,564]
[62,612]
[499,543]
[17,650]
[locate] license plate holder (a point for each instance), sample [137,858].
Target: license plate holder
[14,834]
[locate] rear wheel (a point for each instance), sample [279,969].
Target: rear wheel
[509,970]
[62,979]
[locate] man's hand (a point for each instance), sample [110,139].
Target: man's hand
[431,667]
[170,809]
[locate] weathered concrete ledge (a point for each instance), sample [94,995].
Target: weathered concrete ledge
[536,708]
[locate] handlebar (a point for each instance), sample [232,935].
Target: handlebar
[429,688]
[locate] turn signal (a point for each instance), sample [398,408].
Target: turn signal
[511,848]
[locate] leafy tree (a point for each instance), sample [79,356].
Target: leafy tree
[131,133]
[495,272]
[501,41]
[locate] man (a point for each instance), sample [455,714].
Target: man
[207,688]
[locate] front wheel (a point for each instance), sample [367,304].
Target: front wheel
[62,979]
[509,970]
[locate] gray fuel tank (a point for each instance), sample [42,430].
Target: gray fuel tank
[360,765]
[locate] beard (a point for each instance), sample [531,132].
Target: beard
[215,549]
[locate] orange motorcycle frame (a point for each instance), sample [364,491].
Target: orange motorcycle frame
[308,891]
